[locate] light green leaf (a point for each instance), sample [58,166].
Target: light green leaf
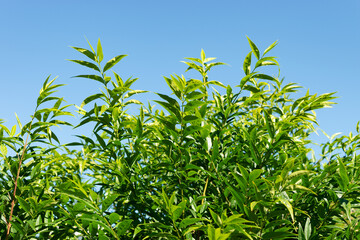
[3,150]
[108,201]
[211,232]
[307,230]
[203,55]
[270,47]
[99,51]
[284,200]
[112,62]
[255,174]
[216,218]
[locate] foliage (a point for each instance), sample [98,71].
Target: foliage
[196,165]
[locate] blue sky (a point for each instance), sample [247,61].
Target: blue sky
[318,46]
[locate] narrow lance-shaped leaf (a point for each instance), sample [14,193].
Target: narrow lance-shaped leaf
[86,52]
[247,63]
[254,48]
[99,51]
[202,55]
[112,62]
[343,172]
[92,77]
[287,204]
[270,47]
[86,64]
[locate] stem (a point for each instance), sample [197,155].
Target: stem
[206,184]
[16,182]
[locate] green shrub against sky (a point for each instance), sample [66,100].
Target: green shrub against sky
[207,161]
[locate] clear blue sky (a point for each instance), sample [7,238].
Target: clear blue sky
[318,46]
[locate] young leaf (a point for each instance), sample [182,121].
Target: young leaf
[112,62]
[202,55]
[99,51]
[270,47]
[254,49]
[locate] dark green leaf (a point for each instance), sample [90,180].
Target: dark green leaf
[93,77]
[86,52]
[86,64]
[247,64]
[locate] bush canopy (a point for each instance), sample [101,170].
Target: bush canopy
[196,164]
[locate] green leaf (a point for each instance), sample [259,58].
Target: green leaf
[13,131]
[266,61]
[278,235]
[343,173]
[264,76]
[284,200]
[255,174]
[211,232]
[173,86]
[178,210]
[86,52]
[215,83]
[24,205]
[93,77]
[216,218]
[171,109]
[299,173]
[247,63]
[92,98]
[86,64]
[79,206]
[99,51]
[190,221]
[270,47]
[301,233]
[114,217]
[101,223]
[108,201]
[123,226]
[112,62]
[170,100]
[299,187]
[307,230]
[3,150]
[190,118]
[203,57]
[254,49]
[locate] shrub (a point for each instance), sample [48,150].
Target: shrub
[198,165]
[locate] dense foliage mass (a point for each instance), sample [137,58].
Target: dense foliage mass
[198,165]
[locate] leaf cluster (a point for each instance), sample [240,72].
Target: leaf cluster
[196,164]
